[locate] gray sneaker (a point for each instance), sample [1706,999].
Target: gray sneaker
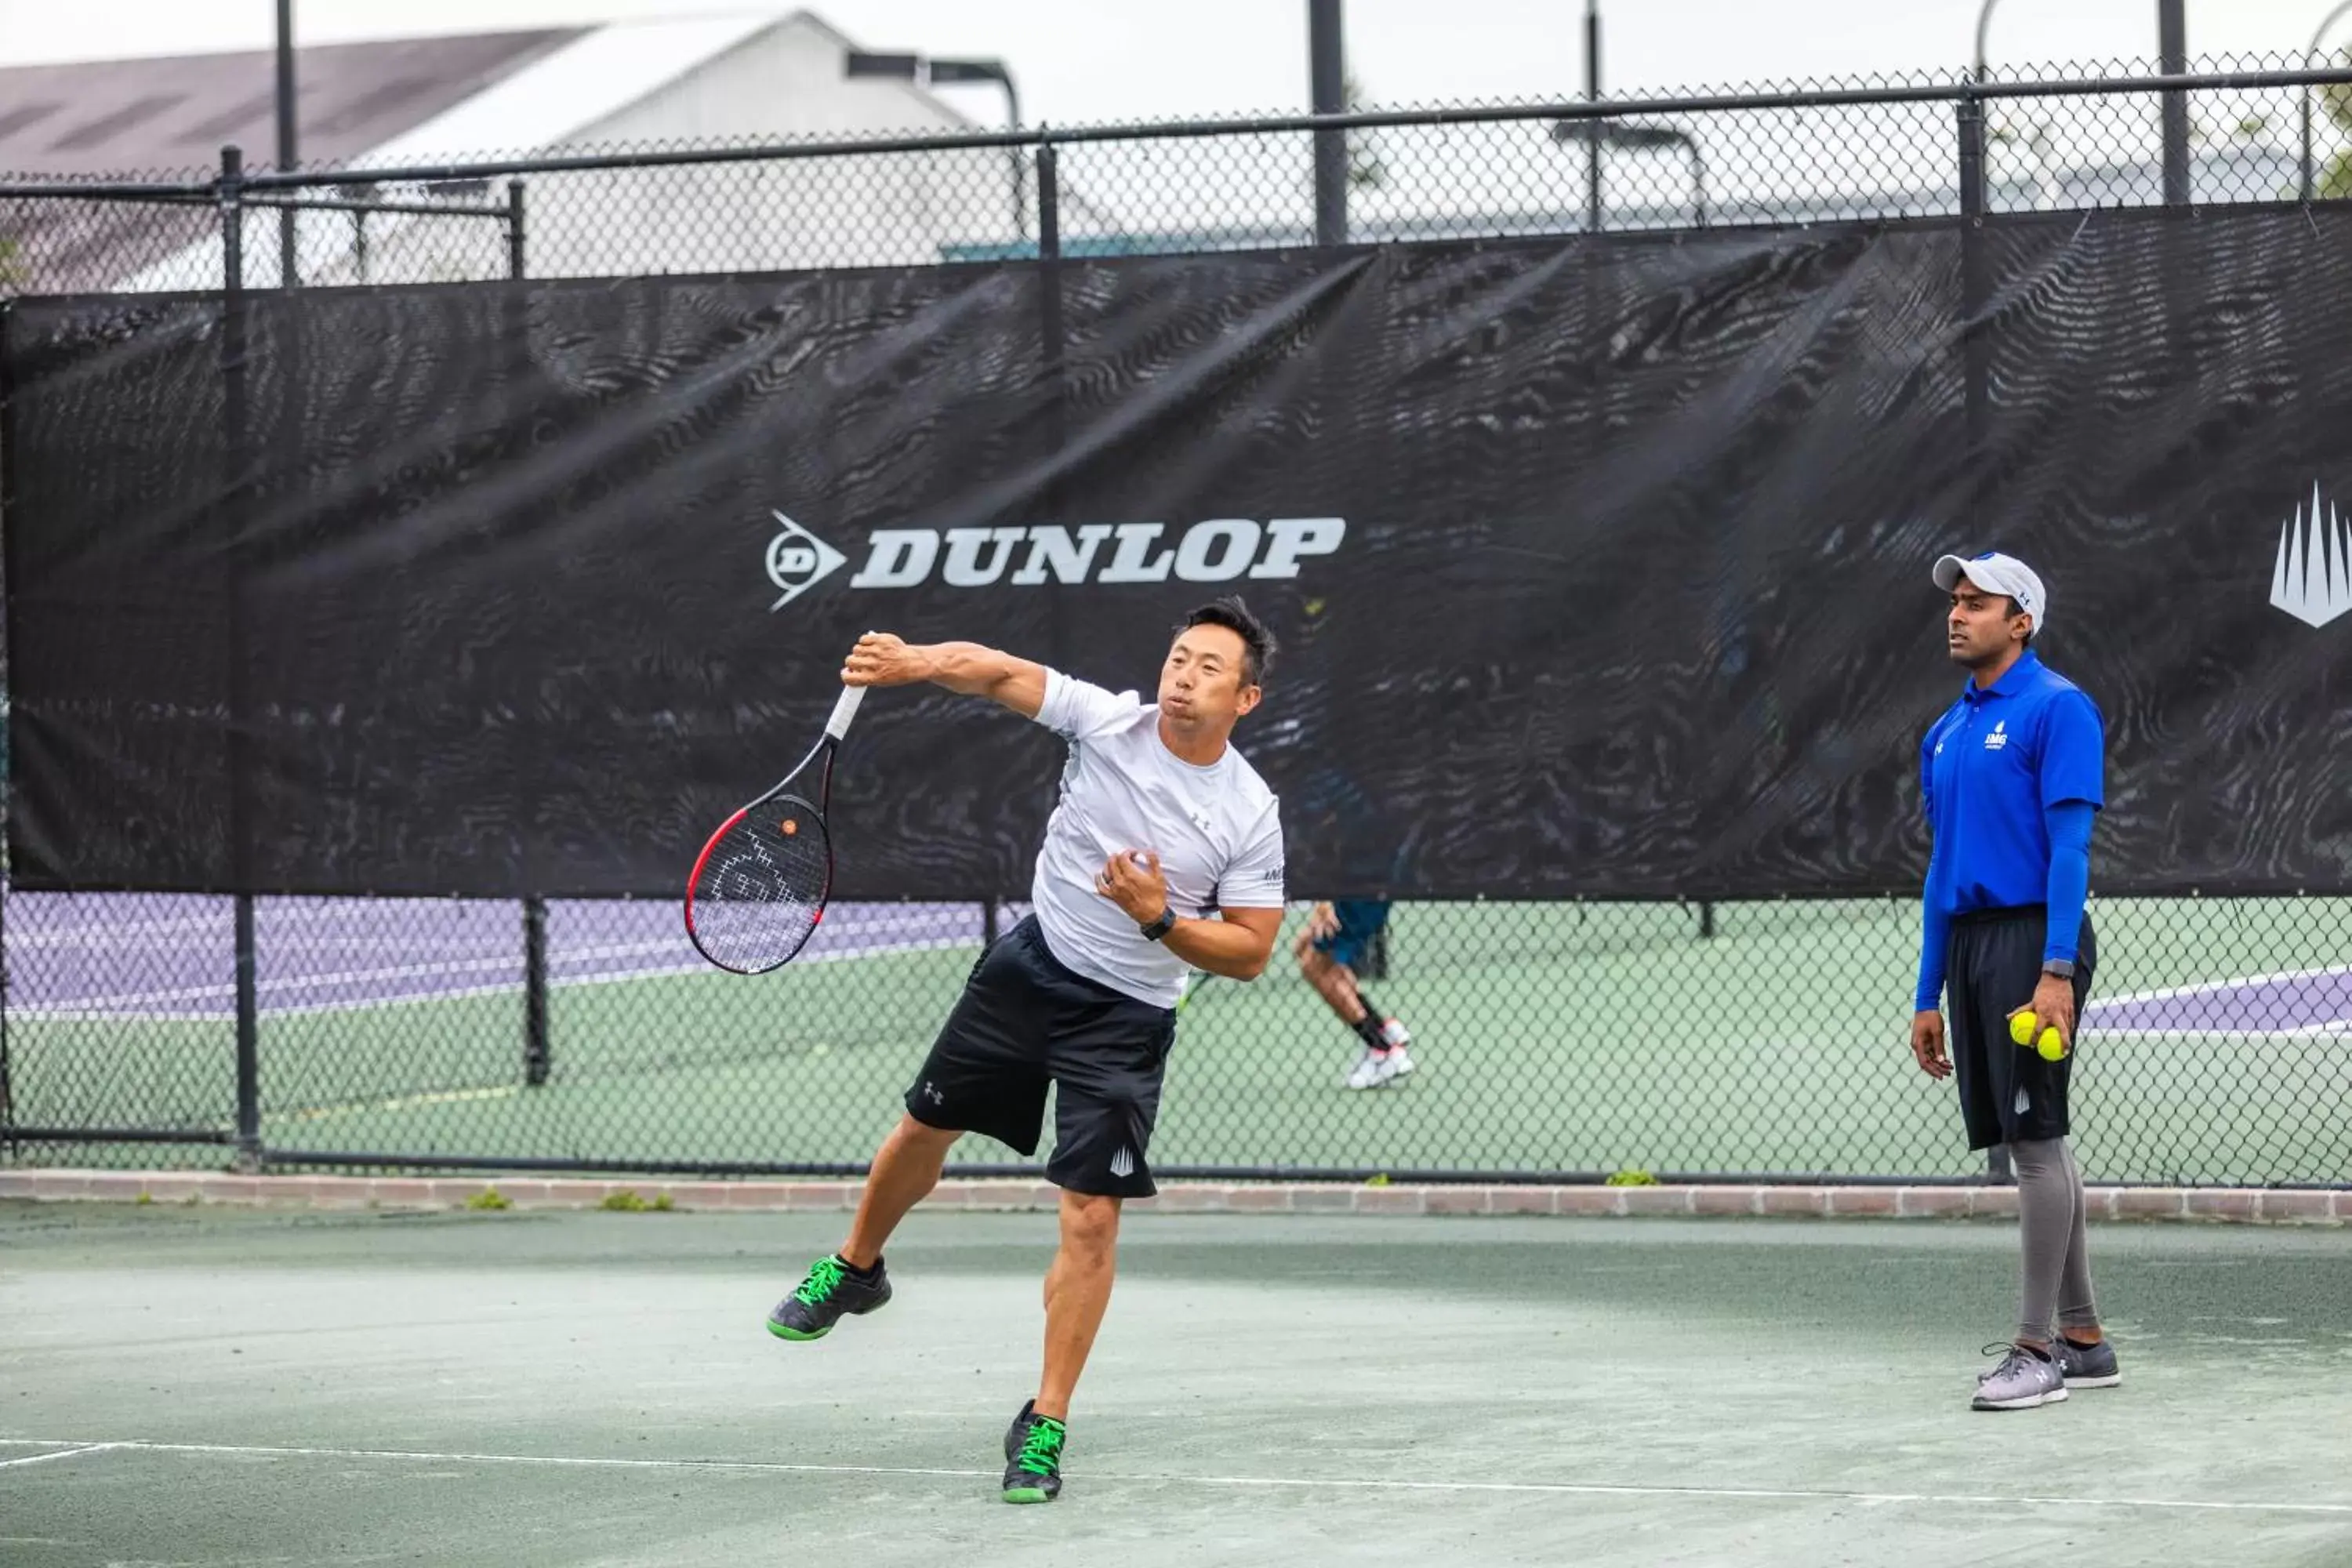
[2021,1382]
[2086,1366]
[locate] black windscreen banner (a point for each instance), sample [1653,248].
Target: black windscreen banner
[1600,569]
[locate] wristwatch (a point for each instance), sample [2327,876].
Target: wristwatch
[1160,927]
[2059,967]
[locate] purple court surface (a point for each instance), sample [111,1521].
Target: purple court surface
[172,955]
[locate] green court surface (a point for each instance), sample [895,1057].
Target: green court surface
[1551,1038]
[206,1388]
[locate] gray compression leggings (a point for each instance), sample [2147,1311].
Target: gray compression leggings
[2050,1220]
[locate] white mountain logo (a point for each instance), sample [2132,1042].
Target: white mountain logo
[2312,579]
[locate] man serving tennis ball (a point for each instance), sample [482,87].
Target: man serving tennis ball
[1163,854]
[2012,775]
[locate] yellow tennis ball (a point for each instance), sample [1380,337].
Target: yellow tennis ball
[2051,1046]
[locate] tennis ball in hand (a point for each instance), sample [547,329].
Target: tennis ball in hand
[2050,1047]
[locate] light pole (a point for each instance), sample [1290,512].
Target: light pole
[1591,94]
[925,71]
[286,153]
[1327,79]
[1594,134]
[1984,26]
[2172,59]
[2317,38]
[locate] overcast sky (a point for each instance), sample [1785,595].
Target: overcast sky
[1080,60]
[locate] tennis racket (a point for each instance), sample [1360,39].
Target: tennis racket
[758,889]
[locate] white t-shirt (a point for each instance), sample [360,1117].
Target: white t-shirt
[1217,831]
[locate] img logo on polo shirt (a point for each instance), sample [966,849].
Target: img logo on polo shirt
[1999,740]
[2312,578]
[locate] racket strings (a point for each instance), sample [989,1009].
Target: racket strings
[763,888]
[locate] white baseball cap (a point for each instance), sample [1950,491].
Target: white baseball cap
[1997,573]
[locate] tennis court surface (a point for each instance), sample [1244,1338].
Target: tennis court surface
[206,1387]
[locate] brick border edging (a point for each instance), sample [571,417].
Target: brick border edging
[2244,1204]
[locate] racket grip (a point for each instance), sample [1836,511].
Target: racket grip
[845,711]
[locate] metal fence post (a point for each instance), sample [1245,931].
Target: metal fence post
[536,1055]
[235,460]
[1976,293]
[1053,371]
[514,229]
[1975,286]
[8,500]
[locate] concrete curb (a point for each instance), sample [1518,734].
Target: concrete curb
[2237,1205]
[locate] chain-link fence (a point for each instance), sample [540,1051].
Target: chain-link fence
[1575,1039]
[1551,1038]
[2248,130]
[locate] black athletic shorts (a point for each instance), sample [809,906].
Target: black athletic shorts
[1025,1023]
[2008,1093]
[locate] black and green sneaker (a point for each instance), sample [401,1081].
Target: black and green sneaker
[831,1291]
[1032,1457]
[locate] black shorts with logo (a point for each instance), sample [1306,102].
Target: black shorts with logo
[1025,1023]
[2008,1093]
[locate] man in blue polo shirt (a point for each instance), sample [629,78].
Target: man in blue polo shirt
[2012,777]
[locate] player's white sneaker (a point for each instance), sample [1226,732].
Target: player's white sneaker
[1377,1070]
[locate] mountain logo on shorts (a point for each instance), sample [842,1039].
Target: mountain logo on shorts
[1123,1165]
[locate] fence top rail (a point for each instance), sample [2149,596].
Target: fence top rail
[209,194]
[1960,91]
[106,191]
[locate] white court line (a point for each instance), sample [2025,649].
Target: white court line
[324,913]
[2109,1033]
[87,1010]
[60,1454]
[99,933]
[103,933]
[1562,1488]
[2207,987]
[380,972]
[404,1103]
